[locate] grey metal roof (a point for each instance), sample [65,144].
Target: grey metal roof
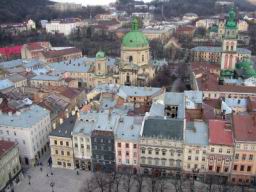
[196,133]
[218,50]
[163,128]
[65,129]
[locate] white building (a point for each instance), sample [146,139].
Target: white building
[65,27]
[29,128]
[82,140]
[31,24]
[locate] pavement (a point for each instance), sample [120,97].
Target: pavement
[64,180]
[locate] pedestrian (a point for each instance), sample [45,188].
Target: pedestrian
[41,169]
[77,172]
[47,175]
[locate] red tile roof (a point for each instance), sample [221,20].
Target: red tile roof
[219,134]
[58,53]
[11,51]
[5,146]
[244,127]
[209,81]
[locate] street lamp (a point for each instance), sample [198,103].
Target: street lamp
[29,177]
[52,185]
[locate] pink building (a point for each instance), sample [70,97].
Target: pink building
[127,143]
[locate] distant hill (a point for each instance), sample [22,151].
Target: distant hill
[18,10]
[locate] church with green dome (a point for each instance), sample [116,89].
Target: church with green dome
[134,66]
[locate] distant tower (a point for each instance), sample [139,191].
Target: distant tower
[101,63]
[229,43]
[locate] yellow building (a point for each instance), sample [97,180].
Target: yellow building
[244,165]
[61,144]
[10,168]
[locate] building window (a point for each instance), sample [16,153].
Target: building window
[127,161]
[163,162]
[61,142]
[212,149]
[67,143]
[242,168]
[228,151]
[56,152]
[210,168]
[149,151]
[251,157]
[82,146]
[235,167]
[244,157]
[142,58]
[76,145]
[163,152]
[197,151]
[203,158]
[237,156]
[62,152]
[249,168]
[119,144]
[226,169]
[196,158]
[127,153]
[220,150]
[126,145]
[69,164]
[55,142]
[68,153]
[134,146]
[189,151]
[134,154]
[143,151]
[189,158]
[59,163]
[119,153]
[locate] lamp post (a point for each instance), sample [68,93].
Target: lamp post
[29,177]
[52,185]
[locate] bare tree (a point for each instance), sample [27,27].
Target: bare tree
[139,179]
[88,186]
[117,181]
[101,181]
[128,182]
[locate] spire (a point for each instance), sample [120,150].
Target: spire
[231,22]
[135,24]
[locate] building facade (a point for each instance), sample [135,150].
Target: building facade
[161,145]
[61,144]
[103,151]
[30,129]
[10,167]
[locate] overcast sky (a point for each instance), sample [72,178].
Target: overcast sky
[91,2]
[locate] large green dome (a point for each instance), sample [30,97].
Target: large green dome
[135,38]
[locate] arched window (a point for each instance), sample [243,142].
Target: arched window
[142,58]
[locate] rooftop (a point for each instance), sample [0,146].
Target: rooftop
[219,134]
[47,78]
[129,128]
[163,128]
[218,49]
[244,127]
[5,84]
[131,91]
[27,63]
[196,133]
[66,128]
[5,146]
[24,119]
